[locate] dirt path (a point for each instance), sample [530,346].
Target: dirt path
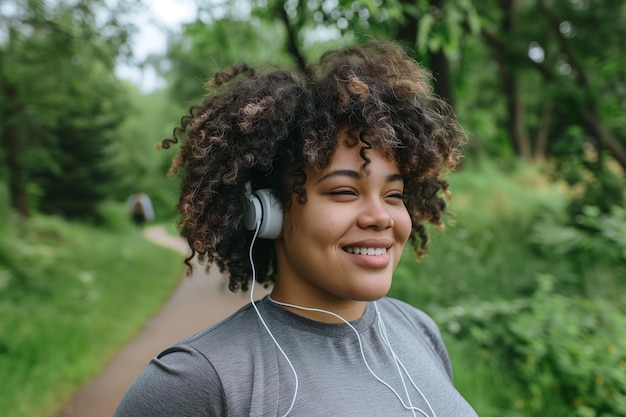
[196,303]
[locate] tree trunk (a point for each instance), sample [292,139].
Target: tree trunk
[510,85]
[292,39]
[541,141]
[12,146]
[515,115]
[439,64]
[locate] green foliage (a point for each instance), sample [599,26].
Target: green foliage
[591,245]
[484,251]
[598,235]
[444,27]
[599,185]
[569,352]
[134,158]
[474,377]
[59,119]
[113,217]
[548,75]
[208,45]
[70,296]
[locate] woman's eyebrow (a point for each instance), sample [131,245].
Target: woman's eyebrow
[394,177]
[356,175]
[340,173]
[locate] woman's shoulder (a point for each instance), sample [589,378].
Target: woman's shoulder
[414,315]
[405,317]
[191,369]
[226,335]
[177,382]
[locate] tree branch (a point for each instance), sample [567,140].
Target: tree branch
[292,38]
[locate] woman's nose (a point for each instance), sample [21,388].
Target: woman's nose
[375,215]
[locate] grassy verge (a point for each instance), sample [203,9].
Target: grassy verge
[70,296]
[490,393]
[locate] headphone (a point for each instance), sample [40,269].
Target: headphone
[263,210]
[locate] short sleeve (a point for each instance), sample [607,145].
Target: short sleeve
[178,382]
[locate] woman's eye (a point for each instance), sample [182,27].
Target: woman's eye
[396,196]
[343,192]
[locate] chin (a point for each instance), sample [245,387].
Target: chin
[374,292]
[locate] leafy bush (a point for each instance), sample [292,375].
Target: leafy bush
[596,234]
[594,243]
[569,352]
[26,252]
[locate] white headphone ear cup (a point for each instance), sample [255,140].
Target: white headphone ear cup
[253,213]
[272,214]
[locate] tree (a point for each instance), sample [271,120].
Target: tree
[570,51]
[58,91]
[215,42]
[433,30]
[573,53]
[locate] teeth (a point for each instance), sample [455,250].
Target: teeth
[367,251]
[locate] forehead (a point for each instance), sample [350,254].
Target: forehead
[355,158]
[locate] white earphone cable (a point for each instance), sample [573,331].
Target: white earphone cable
[256,309]
[383,331]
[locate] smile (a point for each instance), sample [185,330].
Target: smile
[367,251]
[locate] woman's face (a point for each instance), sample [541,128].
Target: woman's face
[341,247]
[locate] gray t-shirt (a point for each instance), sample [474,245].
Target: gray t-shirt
[234,368]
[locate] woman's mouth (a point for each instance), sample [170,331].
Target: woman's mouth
[366,251]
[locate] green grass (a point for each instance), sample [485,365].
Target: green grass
[476,380]
[70,297]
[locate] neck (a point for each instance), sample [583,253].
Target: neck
[325,313]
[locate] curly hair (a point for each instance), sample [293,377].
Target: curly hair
[264,128]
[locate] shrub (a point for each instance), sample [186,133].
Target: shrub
[594,246]
[595,234]
[570,348]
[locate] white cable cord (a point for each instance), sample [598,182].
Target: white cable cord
[383,331]
[258,313]
[387,344]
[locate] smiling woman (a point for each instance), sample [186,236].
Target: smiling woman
[311,182]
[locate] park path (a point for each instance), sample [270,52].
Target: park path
[197,302]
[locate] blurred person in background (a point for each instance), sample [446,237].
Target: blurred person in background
[140,209]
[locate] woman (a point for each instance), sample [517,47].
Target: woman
[312,183]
